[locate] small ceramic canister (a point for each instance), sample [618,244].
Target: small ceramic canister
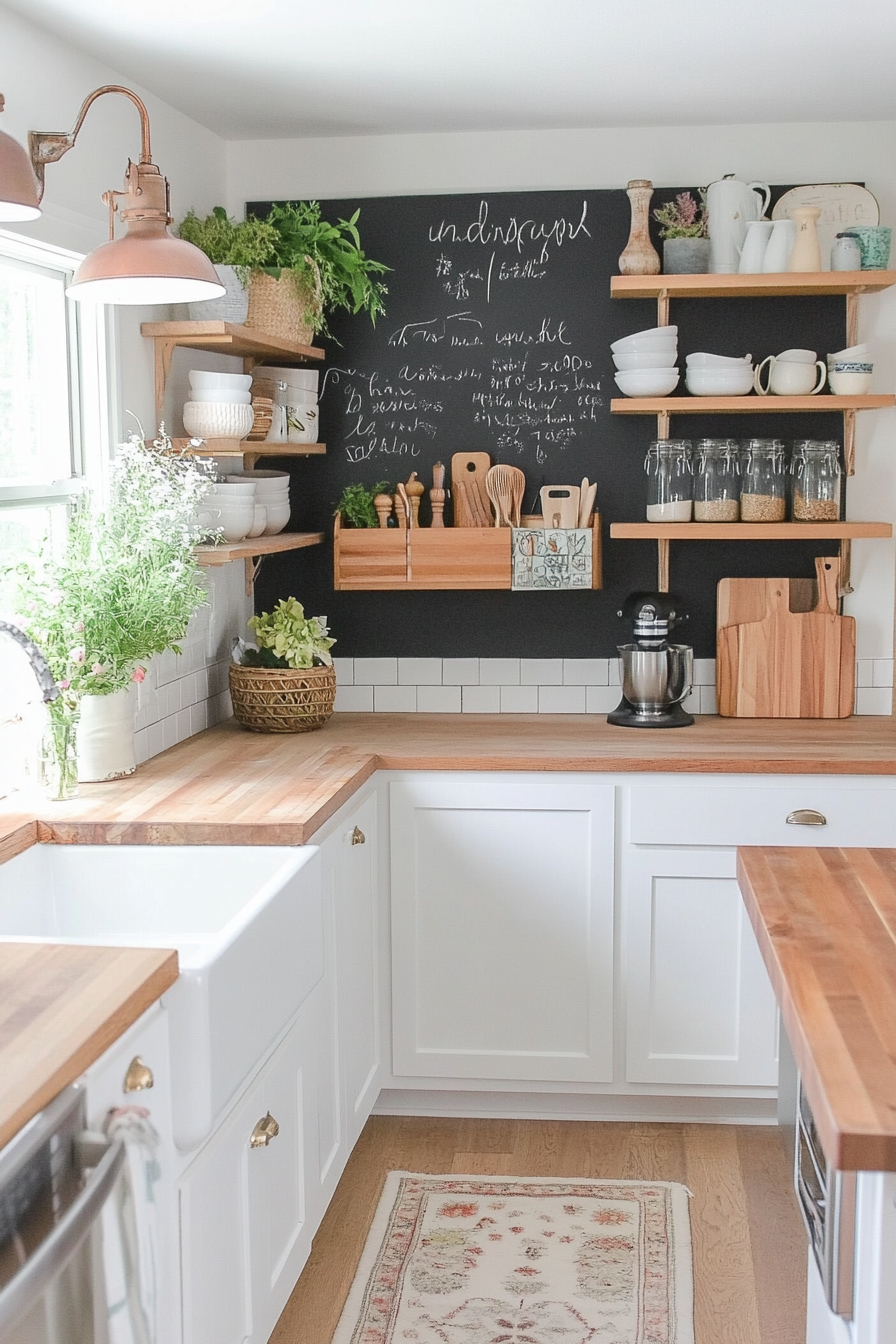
[874,241]
[846,255]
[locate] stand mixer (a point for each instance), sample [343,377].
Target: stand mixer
[656,675]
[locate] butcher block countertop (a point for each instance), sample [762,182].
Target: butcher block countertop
[826,924]
[60,1008]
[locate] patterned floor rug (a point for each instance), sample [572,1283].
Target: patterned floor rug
[495,1260]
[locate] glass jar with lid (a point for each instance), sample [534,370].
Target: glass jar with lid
[717,481]
[763,486]
[816,481]
[669,481]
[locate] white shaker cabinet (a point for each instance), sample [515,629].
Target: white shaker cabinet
[698,1001]
[502,927]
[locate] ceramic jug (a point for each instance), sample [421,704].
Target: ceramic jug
[758,233]
[806,254]
[780,246]
[731,205]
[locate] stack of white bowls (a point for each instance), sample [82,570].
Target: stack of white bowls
[646,362]
[271,496]
[295,391]
[230,509]
[719,375]
[220,405]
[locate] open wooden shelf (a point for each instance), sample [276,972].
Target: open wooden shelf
[255,547]
[248,448]
[229,339]
[749,531]
[748,405]
[788,283]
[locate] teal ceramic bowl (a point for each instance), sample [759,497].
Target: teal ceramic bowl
[874,243]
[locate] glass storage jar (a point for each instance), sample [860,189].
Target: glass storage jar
[763,486]
[816,481]
[669,481]
[716,481]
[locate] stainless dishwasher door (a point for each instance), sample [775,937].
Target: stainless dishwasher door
[48,1213]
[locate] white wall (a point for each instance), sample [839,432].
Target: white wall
[671,156]
[44,82]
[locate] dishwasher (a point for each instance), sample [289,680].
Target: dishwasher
[55,1178]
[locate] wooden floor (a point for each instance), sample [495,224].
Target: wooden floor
[749,1243]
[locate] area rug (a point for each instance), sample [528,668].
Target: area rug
[495,1260]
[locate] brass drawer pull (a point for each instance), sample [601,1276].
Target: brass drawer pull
[358,837]
[266,1129]
[138,1077]
[806,816]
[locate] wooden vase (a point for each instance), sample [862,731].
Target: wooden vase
[640,256]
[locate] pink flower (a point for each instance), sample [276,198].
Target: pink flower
[64,685]
[78,655]
[78,627]
[138,674]
[97,669]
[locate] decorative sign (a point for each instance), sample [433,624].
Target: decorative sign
[551,557]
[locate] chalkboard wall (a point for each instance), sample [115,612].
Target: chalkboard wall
[496,339]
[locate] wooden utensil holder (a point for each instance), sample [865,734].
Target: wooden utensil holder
[424,557]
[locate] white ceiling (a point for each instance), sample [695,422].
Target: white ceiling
[257,69]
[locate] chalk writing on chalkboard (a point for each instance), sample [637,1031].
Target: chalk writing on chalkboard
[486,344]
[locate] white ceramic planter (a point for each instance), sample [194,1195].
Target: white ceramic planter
[106,737]
[230,307]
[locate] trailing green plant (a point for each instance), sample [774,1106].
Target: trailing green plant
[247,244]
[328,258]
[683,217]
[356,505]
[287,638]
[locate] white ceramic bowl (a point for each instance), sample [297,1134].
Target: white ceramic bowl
[701,360]
[237,382]
[207,420]
[234,519]
[649,333]
[233,489]
[858,354]
[649,345]
[627,362]
[278,517]
[647,382]
[268,484]
[259,521]
[223,396]
[720,382]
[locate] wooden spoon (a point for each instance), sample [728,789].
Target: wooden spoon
[499,485]
[517,490]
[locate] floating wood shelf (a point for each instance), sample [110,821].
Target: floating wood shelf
[786,284]
[749,531]
[431,557]
[253,550]
[248,449]
[748,405]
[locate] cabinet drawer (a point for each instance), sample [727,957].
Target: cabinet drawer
[757,814]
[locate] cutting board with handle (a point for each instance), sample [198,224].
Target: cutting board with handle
[782,649]
[472,506]
[560,505]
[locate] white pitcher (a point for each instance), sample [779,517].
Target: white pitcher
[780,246]
[731,205]
[758,233]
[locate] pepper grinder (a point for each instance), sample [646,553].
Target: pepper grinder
[437,495]
[383,506]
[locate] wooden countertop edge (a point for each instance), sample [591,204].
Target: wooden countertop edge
[109,1028]
[848,1146]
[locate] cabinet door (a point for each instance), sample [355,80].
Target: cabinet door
[330,1146]
[699,1005]
[357,965]
[502,928]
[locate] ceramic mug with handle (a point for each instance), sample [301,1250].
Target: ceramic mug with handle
[789,378]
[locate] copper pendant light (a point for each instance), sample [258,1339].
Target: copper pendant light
[19,198]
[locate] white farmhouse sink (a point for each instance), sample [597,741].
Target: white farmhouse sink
[247,924]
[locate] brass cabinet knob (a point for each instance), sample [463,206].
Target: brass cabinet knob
[138,1077]
[806,816]
[358,837]
[266,1129]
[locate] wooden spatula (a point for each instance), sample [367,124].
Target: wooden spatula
[560,505]
[499,484]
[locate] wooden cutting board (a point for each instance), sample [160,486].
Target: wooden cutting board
[782,650]
[472,506]
[560,505]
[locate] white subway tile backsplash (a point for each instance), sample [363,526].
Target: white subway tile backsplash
[708,700]
[438,699]
[883,672]
[481,699]
[541,671]
[864,672]
[419,671]
[519,699]
[460,671]
[395,699]
[345,671]
[691,703]
[499,671]
[198,717]
[182,725]
[376,671]
[585,671]
[874,700]
[704,671]
[601,699]
[613,677]
[141,745]
[561,699]
[354,699]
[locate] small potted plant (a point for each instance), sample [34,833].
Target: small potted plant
[288,683]
[236,248]
[684,229]
[358,506]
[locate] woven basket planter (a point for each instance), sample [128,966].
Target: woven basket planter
[284,307]
[282,700]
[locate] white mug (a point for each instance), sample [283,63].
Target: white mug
[759,231]
[789,378]
[780,246]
